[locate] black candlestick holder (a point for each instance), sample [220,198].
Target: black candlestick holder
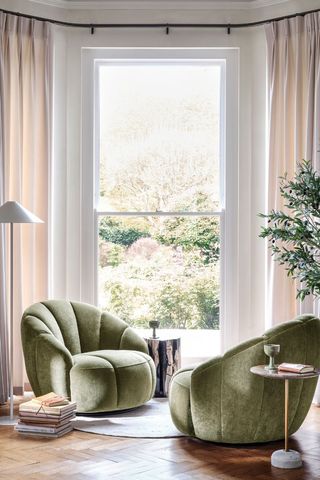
[154,324]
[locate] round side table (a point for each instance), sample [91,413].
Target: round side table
[285,458]
[166,354]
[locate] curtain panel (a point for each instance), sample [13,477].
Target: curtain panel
[4,354]
[25,116]
[293,49]
[293,55]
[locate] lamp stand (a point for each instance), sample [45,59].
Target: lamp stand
[11,322]
[12,212]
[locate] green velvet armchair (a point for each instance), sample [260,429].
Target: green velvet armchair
[90,356]
[222,401]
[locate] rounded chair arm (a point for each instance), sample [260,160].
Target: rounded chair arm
[130,340]
[206,398]
[52,362]
[115,334]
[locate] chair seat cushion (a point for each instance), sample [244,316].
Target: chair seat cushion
[107,380]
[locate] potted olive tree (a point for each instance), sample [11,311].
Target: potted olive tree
[294,234]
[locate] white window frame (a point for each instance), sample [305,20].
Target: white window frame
[91,59]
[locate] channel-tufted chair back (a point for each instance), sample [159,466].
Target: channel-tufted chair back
[222,401]
[70,328]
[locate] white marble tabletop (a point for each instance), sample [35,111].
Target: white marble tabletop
[280,375]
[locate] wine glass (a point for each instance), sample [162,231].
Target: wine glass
[271,350]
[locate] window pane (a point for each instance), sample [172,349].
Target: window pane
[161,268]
[159,137]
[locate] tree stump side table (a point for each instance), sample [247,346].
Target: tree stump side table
[284,458]
[166,354]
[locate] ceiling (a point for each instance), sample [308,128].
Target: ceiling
[194,2]
[191,1]
[226,2]
[236,5]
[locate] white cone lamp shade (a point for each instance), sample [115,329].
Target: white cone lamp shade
[13,212]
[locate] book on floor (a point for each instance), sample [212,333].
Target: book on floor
[33,418]
[51,400]
[37,407]
[57,434]
[48,416]
[26,422]
[296,368]
[20,427]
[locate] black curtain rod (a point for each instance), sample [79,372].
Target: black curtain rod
[166,26]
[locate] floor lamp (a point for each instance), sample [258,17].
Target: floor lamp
[13,212]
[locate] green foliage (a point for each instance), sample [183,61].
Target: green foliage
[161,156]
[171,306]
[189,303]
[111,254]
[294,235]
[163,269]
[206,299]
[162,284]
[193,234]
[120,300]
[181,301]
[200,233]
[119,232]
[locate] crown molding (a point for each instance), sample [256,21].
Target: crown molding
[266,3]
[158,4]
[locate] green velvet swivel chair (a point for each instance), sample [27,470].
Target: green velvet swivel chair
[90,356]
[222,401]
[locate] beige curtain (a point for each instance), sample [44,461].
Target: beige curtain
[4,353]
[25,59]
[293,51]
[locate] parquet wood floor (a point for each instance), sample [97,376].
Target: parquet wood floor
[84,456]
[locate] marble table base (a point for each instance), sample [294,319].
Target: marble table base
[286,459]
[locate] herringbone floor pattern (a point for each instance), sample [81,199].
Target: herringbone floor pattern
[84,456]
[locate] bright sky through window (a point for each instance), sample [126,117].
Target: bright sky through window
[159,137]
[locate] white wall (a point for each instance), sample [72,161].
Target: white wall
[68,274]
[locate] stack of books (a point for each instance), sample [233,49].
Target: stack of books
[296,368]
[47,416]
